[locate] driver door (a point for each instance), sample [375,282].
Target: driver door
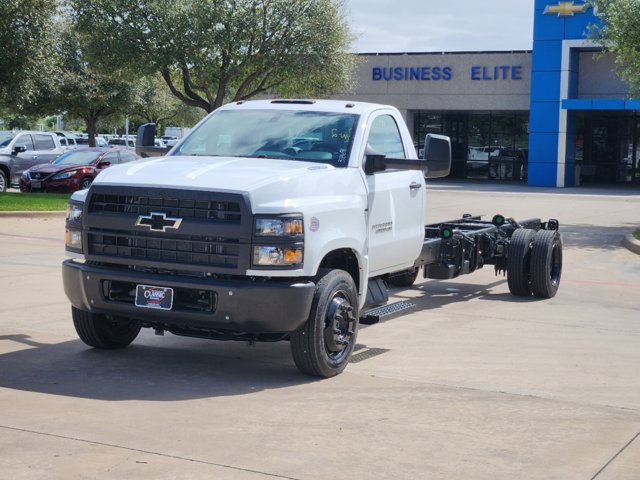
[395,203]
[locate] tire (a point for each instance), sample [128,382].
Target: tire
[86,183]
[546,263]
[3,182]
[518,262]
[99,331]
[405,279]
[323,346]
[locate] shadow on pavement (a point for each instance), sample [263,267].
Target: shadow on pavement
[595,237]
[179,370]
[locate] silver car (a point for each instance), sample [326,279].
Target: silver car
[21,150]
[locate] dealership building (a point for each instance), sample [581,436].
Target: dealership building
[554,116]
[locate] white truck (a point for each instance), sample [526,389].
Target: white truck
[279,220]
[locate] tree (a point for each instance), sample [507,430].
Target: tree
[25,33]
[619,34]
[213,51]
[156,104]
[80,90]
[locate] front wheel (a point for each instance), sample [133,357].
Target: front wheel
[323,346]
[100,331]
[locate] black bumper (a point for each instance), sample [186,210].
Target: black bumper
[252,307]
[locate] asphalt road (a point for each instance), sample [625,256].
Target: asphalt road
[471,383]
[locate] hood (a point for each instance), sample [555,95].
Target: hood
[48,168]
[209,173]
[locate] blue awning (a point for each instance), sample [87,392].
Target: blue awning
[600,104]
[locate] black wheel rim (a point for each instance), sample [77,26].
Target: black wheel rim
[556,265]
[339,325]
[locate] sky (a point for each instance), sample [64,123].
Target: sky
[383,26]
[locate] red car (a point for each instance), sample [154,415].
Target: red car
[73,170]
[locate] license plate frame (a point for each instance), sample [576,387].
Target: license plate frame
[37,184]
[154,297]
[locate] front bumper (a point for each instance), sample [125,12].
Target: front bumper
[242,306]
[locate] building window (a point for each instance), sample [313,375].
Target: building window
[607,147]
[484,145]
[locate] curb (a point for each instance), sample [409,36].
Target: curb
[34,214]
[631,243]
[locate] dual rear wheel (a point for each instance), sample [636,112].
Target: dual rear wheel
[534,263]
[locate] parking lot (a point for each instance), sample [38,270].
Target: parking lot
[471,383]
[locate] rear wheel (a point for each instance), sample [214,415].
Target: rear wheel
[100,331]
[405,279]
[3,182]
[546,263]
[323,346]
[518,262]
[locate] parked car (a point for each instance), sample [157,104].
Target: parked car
[122,142]
[68,140]
[75,170]
[167,138]
[22,150]
[100,141]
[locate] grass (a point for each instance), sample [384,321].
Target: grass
[636,234]
[11,202]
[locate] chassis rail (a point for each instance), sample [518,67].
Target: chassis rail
[461,246]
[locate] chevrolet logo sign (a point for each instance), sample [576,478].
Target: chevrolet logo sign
[158,222]
[565,9]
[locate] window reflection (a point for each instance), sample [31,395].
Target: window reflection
[487,144]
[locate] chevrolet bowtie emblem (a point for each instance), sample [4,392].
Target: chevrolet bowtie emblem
[566,9]
[158,222]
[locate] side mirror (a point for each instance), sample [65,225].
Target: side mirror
[104,164]
[146,135]
[19,149]
[437,155]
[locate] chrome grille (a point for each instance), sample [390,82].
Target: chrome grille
[213,234]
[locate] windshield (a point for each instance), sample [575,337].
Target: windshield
[293,135]
[5,138]
[76,157]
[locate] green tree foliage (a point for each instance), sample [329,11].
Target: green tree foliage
[213,51]
[80,90]
[156,104]
[620,35]
[25,55]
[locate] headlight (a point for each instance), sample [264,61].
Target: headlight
[64,175]
[278,241]
[288,226]
[73,239]
[277,256]
[74,213]
[73,229]
[25,174]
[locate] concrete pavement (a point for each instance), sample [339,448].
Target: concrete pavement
[471,383]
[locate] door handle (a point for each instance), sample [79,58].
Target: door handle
[35,157]
[415,186]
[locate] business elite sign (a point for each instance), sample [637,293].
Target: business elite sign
[446,73]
